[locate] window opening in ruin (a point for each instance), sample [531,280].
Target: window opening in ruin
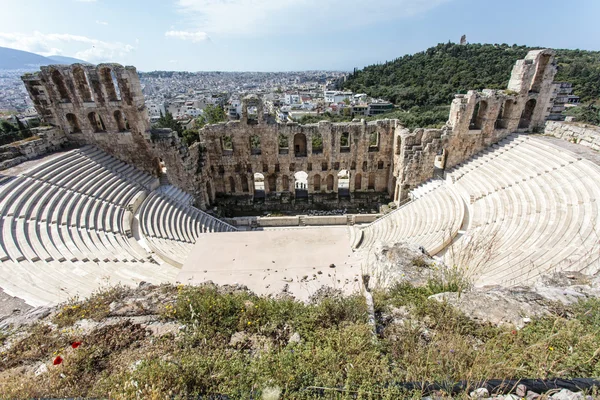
[272,183]
[353,165]
[301,185]
[82,83]
[245,186]
[300,145]
[115,82]
[539,74]
[345,143]
[73,123]
[265,168]
[504,115]
[277,167]
[358,182]
[106,74]
[317,183]
[96,122]
[249,168]
[317,143]
[292,167]
[231,185]
[59,82]
[364,166]
[285,183]
[259,186]
[221,169]
[255,145]
[284,144]
[371,185]
[374,141]
[398,145]
[227,145]
[343,183]
[238,167]
[336,165]
[329,183]
[380,165]
[120,121]
[478,115]
[209,193]
[527,114]
[309,167]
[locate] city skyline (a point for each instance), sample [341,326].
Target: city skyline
[262,35]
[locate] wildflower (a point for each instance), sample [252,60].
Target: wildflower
[551,348]
[57,360]
[513,332]
[75,344]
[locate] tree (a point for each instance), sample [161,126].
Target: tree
[167,121]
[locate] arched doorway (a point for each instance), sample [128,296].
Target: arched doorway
[479,114]
[259,186]
[272,181]
[301,185]
[525,121]
[231,185]
[358,182]
[73,123]
[285,183]
[317,183]
[329,183]
[245,187]
[343,183]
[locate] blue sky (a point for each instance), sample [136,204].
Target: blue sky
[284,35]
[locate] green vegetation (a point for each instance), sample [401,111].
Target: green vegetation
[432,77]
[235,343]
[10,133]
[588,114]
[213,114]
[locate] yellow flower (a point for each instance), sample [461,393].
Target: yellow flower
[551,348]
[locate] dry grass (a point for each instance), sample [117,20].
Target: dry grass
[419,340]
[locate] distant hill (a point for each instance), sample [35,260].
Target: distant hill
[432,77]
[67,60]
[18,59]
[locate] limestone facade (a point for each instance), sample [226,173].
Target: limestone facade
[583,134]
[255,162]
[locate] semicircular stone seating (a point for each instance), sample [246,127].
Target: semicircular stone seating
[65,228]
[431,221]
[170,225]
[531,208]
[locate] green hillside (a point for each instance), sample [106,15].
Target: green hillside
[432,77]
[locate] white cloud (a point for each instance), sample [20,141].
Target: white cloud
[101,22]
[88,49]
[295,16]
[187,35]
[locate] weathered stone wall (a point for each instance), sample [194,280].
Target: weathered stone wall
[230,169]
[583,134]
[477,120]
[49,140]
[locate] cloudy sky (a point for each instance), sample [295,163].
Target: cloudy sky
[281,35]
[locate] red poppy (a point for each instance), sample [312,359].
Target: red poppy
[513,332]
[57,360]
[75,344]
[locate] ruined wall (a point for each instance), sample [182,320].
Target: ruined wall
[100,105]
[477,120]
[235,151]
[48,140]
[583,134]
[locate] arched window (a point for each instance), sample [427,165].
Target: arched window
[120,121]
[73,123]
[317,143]
[284,144]
[380,165]
[479,114]
[364,166]
[329,183]
[504,114]
[59,82]
[374,141]
[300,145]
[317,183]
[96,122]
[358,182]
[345,143]
[231,184]
[109,80]
[371,181]
[398,144]
[525,121]
[272,183]
[259,185]
[343,183]
[209,193]
[245,187]
[81,82]
[285,182]
[227,145]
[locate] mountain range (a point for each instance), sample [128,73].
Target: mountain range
[24,60]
